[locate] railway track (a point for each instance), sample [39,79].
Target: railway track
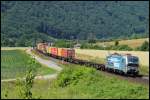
[141,79]
[144,80]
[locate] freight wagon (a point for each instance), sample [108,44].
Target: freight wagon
[54,51]
[68,53]
[62,52]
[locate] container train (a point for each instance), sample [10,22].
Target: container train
[123,64]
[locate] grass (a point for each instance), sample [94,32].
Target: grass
[144,70]
[40,55]
[76,82]
[131,43]
[14,63]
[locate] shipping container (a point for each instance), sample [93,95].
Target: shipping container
[64,52]
[59,52]
[54,51]
[44,45]
[68,53]
[71,53]
[39,46]
[49,50]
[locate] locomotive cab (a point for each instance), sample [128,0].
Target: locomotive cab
[132,65]
[127,64]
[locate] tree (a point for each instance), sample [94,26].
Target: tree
[26,85]
[145,46]
[92,41]
[86,20]
[116,43]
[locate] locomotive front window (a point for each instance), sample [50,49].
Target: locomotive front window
[133,59]
[116,59]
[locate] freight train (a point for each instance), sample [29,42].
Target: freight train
[123,64]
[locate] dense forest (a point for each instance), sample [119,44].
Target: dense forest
[23,22]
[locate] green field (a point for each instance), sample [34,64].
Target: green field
[14,63]
[81,82]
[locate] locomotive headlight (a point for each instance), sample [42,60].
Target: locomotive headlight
[132,68]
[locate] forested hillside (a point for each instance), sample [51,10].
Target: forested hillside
[23,21]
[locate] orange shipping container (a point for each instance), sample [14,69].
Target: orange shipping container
[67,53]
[64,52]
[54,51]
[49,50]
[59,52]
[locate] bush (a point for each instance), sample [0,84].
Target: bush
[116,43]
[119,47]
[144,47]
[124,47]
[72,75]
[88,83]
[92,41]
[64,43]
[25,86]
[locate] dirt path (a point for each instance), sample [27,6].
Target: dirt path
[52,76]
[48,63]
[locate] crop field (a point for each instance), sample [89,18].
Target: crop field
[76,82]
[131,43]
[14,48]
[14,63]
[90,58]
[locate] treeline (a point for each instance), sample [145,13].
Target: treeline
[71,19]
[91,44]
[143,47]
[64,44]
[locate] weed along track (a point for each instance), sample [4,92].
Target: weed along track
[137,79]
